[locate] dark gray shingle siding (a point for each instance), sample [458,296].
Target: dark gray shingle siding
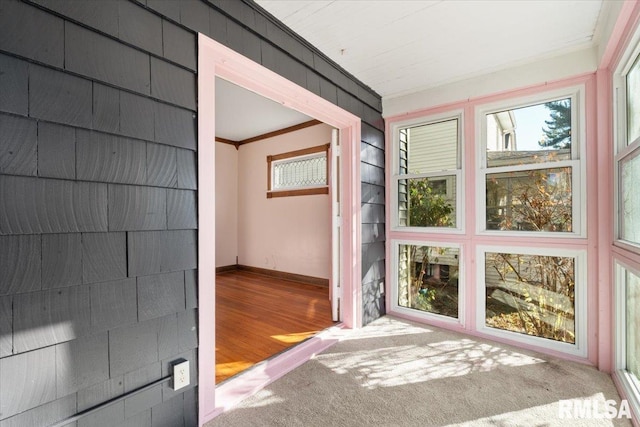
[98,183]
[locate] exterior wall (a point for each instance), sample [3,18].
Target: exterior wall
[226,204]
[430,148]
[290,234]
[98,224]
[372,156]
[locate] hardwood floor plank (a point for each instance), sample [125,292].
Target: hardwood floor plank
[259,316]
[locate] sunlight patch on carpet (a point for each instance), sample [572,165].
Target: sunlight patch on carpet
[263,398]
[415,363]
[387,327]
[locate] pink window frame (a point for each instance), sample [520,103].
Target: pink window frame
[216,60]
[598,322]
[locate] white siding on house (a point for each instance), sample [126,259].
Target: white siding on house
[433,147]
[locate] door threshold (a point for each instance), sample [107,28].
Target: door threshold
[233,390]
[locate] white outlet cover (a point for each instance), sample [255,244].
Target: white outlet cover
[181,375]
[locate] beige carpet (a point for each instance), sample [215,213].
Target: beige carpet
[397,373]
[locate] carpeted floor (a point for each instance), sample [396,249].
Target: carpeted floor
[398,373]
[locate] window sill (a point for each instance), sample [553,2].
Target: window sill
[300,192]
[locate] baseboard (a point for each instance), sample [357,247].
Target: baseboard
[227,268]
[284,275]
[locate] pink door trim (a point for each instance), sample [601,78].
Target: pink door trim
[216,60]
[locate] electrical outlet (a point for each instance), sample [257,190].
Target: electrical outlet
[381,288]
[180,375]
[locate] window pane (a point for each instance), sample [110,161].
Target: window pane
[633,102]
[429,148]
[531,294]
[531,200]
[630,199]
[299,172]
[535,134]
[428,279]
[427,202]
[633,323]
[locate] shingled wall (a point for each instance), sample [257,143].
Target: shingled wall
[98,195]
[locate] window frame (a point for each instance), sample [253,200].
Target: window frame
[626,254]
[272,160]
[444,174]
[580,347]
[425,315]
[622,150]
[630,383]
[577,163]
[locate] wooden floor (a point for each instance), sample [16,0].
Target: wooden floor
[259,316]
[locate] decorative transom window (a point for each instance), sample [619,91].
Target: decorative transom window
[427,180]
[530,172]
[298,173]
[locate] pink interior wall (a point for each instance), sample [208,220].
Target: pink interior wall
[470,239]
[226,204]
[289,234]
[626,25]
[599,188]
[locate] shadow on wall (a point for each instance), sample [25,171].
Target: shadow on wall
[70,340]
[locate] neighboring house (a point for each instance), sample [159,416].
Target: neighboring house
[501,131]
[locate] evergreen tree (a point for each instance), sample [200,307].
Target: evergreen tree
[558,128]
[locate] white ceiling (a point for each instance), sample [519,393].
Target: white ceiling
[399,47]
[242,114]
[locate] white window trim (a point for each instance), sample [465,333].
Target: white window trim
[620,90]
[626,154]
[419,314]
[458,173]
[577,162]
[630,384]
[580,347]
[621,150]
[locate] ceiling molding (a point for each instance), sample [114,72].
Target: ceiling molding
[278,132]
[228,141]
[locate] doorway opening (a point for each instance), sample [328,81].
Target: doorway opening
[274,247]
[216,60]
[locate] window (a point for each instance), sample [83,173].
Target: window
[632,323]
[530,171]
[627,214]
[628,159]
[628,331]
[534,295]
[630,198]
[427,175]
[298,173]
[428,279]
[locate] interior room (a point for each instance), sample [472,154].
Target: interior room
[273,239]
